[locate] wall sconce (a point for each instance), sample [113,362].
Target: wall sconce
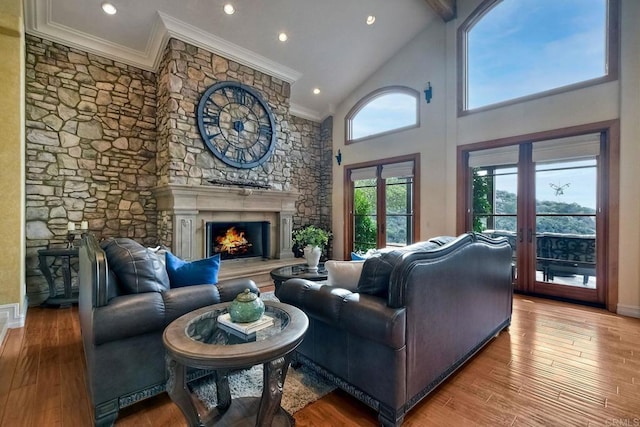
[339,157]
[428,93]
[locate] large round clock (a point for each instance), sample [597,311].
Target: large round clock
[236,124]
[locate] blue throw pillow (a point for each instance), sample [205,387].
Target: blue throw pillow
[356,257]
[200,272]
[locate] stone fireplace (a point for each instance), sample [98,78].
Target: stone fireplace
[191,207]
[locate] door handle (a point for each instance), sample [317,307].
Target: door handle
[520,236]
[530,235]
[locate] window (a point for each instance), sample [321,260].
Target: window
[514,49]
[382,204]
[386,110]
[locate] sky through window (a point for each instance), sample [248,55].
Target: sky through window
[385,113]
[523,47]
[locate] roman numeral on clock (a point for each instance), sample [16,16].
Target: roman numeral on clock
[241,156]
[211,119]
[240,96]
[265,131]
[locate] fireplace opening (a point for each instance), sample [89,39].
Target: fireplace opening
[235,240]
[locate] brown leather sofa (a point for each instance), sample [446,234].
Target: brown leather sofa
[415,316]
[125,303]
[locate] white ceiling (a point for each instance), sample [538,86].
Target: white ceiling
[330,46]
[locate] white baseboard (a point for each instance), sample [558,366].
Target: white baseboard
[4,326]
[628,310]
[11,312]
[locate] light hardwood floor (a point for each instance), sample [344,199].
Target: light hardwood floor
[559,364]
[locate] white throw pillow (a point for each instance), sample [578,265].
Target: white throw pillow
[160,252]
[344,274]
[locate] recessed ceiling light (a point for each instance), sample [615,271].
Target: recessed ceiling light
[229,9]
[371,19]
[109,9]
[283,37]
[316,91]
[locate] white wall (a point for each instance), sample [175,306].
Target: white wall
[629,250]
[432,57]
[420,61]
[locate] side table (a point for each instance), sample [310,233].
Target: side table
[298,271]
[70,295]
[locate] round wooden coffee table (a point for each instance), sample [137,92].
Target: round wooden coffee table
[195,340]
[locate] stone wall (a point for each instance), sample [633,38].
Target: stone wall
[306,155]
[98,143]
[325,195]
[91,149]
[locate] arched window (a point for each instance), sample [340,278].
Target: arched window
[383,111]
[513,50]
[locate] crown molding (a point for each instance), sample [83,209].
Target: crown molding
[305,113]
[38,22]
[197,37]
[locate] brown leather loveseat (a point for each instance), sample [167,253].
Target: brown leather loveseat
[126,301]
[415,316]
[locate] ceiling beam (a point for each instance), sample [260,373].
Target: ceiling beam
[445,8]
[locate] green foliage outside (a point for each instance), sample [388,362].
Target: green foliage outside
[481,201]
[365,209]
[397,201]
[365,227]
[506,203]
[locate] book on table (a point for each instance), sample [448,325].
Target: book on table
[245,328]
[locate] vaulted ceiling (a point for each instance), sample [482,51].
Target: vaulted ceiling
[329,45]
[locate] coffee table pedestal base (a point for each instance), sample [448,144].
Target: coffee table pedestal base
[264,411]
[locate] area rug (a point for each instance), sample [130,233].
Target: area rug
[302,386]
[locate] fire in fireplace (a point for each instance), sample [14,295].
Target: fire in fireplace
[232,240]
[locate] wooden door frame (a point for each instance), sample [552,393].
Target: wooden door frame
[348,196]
[610,166]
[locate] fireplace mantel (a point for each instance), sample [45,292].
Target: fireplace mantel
[190,204]
[180,197]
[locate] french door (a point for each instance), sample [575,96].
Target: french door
[382,203]
[548,198]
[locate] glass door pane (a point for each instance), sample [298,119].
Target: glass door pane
[495,197]
[365,216]
[399,203]
[565,222]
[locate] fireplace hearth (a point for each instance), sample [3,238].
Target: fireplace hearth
[237,239]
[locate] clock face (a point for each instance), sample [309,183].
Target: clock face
[236,124]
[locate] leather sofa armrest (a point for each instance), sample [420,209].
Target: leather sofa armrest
[322,302]
[93,274]
[179,301]
[229,289]
[369,317]
[128,316]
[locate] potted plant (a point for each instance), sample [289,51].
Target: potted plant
[313,240]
